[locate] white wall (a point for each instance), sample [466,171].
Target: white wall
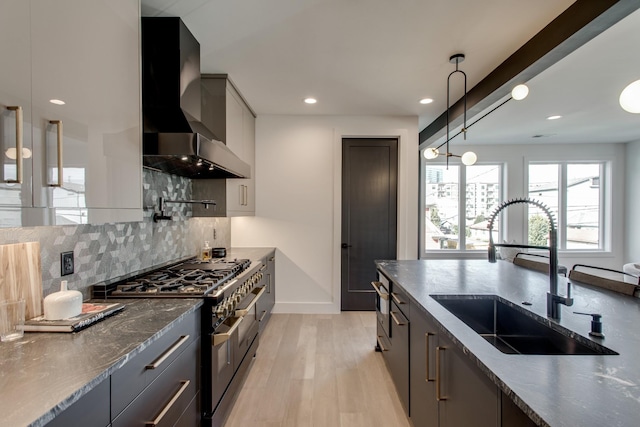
[515,157]
[298,201]
[632,203]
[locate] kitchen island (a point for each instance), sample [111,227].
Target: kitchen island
[552,390]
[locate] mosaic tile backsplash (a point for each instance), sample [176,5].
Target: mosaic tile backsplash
[108,251]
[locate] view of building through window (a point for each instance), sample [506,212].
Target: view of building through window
[579,217]
[444,217]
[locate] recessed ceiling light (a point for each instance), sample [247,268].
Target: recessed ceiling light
[426,101]
[310,100]
[554,117]
[57,101]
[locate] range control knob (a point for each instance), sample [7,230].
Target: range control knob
[221,310]
[237,297]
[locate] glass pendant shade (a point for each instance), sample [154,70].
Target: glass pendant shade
[469,158]
[520,92]
[630,98]
[431,153]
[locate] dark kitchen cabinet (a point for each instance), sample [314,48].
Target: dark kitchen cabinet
[158,386]
[511,415]
[265,304]
[397,356]
[91,410]
[422,391]
[165,400]
[229,117]
[162,381]
[396,353]
[447,388]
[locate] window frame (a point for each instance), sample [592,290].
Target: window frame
[604,211]
[461,251]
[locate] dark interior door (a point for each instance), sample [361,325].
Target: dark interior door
[369,206]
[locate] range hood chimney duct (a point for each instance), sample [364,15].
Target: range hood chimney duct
[174,140]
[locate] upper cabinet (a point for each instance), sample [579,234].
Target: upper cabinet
[15,110]
[77,69]
[230,118]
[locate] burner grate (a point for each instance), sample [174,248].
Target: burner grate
[191,278]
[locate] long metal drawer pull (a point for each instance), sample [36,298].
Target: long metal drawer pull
[396,299]
[395,319]
[243,311]
[439,396]
[376,286]
[263,268]
[241,194]
[58,124]
[224,336]
[426,339]
[381,346]
[169,352]
[19,158]
[246,195]
[158,419]
[264,313]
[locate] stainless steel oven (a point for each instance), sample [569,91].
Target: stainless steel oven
[383,308]
[230,289]
[230,342]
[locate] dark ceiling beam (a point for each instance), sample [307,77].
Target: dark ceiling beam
[574,27]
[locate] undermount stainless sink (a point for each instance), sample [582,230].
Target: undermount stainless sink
[513,330]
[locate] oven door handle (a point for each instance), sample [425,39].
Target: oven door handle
[243,311]
[376,286]
[224,336]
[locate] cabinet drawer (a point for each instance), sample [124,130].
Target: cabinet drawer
[167,397]
[128,381]
[91,410]
[400,298]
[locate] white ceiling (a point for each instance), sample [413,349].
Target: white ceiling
[379,57]
[583,88]
[357,57]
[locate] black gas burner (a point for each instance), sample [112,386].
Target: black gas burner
[191,278]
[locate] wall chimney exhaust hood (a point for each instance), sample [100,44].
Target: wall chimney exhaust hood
[174,139]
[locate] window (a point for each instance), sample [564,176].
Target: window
[572,191]
[447,210]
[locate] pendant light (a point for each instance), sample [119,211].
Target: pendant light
[630,98]
[469,158]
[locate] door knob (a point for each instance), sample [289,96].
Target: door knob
[345,246]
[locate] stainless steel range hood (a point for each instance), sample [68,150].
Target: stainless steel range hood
[174,139]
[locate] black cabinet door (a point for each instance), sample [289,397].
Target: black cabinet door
[467,396]
[422,391]
[398,354]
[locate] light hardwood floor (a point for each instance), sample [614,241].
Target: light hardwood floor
[320,371]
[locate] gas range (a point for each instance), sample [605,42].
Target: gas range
[187,279]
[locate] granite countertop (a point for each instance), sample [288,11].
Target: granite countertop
[557,390]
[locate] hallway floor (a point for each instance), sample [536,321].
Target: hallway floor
[318,370]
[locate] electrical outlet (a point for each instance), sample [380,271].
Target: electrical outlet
[66,263]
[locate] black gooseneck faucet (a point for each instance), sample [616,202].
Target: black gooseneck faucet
[553,299]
